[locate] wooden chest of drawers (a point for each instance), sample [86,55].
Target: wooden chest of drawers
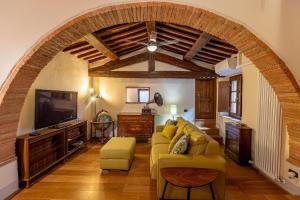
[136,125]
[238,143]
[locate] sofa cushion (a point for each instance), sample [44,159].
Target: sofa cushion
[169,131]
[170,121]
[198,143]
[158,138]
[174,140]
[181,145]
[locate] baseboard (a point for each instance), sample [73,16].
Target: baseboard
[13,194]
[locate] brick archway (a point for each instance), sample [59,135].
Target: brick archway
[15,88]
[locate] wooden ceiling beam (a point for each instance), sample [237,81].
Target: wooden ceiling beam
[89,53]
[183,28]
[125,44]
[230,48]
[96,59]
[205,60]
[175,48]
[198,45]
[139,47]
[216,50]
[213,53]
[92,56]
[184,45]
[152,74]
[117,29]
[121,63]
[151,62]
[151,27]
[129,38]
[181,63]
[125,34]
[101,46]
[177,33]
[202,53]
[173,37]
[209,58]
[133,45]
[81,50]
[76,46]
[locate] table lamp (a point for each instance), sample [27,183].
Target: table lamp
[173,110]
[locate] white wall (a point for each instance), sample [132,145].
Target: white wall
[174,91]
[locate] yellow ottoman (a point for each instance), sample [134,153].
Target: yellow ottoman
[117,153]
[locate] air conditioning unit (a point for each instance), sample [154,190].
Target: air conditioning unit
[229,66]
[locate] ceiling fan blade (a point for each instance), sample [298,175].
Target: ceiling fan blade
[168,42]
[137,42]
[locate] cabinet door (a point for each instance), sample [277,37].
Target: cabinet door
[232,142]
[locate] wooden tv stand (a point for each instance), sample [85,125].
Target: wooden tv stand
[36,154]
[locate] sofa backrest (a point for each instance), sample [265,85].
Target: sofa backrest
[213,147]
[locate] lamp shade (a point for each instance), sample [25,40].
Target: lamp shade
[173,109]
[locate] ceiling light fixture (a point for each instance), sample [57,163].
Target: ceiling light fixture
[152,47]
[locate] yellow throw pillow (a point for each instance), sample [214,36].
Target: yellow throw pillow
[198,143]
[169,131]
[175,140]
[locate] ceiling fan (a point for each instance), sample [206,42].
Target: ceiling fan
[153,44]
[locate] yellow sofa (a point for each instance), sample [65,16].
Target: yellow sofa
[160,158]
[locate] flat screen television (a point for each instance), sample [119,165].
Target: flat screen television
[54,107]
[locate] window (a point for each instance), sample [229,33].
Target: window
[235,104]
[137,94]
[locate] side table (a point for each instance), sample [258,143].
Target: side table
[189,178]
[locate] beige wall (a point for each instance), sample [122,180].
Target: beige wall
[64,72]
[174,91]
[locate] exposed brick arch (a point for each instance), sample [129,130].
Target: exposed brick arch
[15,88]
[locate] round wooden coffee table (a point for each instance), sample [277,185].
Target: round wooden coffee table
[189,178]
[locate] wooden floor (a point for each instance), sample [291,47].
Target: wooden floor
[80,178]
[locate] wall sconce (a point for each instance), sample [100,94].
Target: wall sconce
[173,110]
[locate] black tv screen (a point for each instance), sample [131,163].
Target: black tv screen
[54,107]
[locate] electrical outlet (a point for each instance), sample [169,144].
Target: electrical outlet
[293,174]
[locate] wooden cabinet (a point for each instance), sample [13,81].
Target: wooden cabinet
[136,125]
[36,154]
[238,143]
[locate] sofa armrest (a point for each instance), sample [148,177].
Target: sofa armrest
[159,128]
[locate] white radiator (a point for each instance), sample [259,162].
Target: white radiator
[268,138]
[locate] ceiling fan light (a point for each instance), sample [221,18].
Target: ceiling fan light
[152,47]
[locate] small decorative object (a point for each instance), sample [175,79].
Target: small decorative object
[157,99]
[103,116]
